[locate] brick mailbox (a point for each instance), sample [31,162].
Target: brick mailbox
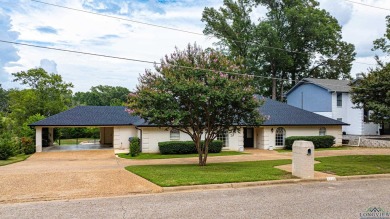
[303,159]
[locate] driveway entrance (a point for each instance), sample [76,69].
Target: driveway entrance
[69,175]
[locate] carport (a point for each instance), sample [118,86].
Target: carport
[115,124]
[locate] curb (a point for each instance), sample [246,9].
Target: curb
[271,182]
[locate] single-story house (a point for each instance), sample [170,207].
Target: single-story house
[116,126]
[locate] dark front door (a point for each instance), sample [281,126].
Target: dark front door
[248,137]
[385,129]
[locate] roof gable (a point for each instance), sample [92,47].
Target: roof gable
[331,85]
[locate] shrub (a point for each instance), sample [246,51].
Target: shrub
[5,149]
[9,143]
[27,145]
[135,147]
[319,141]
[186,147]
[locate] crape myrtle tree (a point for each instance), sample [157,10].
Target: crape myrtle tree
[192,92]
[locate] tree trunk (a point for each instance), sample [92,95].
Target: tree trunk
[273,81]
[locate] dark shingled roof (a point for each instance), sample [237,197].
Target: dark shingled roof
[90,116]
[281,114]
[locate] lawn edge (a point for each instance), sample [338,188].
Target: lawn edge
[270,182]
[17,161]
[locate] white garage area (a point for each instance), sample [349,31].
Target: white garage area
[115,124]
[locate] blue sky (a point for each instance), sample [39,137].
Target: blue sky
[31,22]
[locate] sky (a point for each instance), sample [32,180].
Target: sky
[31,22]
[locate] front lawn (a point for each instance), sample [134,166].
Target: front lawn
[184,174]
[167,156]
[17,158]
[319,149]
[354,165]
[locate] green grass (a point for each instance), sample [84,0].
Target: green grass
[354,165]
[73,141]
[319,149]
[184,174]
[17,158]
[143,156]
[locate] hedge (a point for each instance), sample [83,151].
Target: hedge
[135,147]
[186,147]
[319,141]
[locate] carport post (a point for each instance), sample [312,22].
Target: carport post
[38,139]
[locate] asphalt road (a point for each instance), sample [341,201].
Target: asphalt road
[344,199]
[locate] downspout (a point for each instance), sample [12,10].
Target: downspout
[140,137]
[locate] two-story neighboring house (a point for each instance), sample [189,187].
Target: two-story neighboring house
[331,98]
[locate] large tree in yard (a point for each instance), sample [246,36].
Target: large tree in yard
[295,39]
[193,92]
[373,91]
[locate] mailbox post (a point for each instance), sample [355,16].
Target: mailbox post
[303,159]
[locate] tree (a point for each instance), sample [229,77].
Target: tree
[296,39]
[3,100]
[102,95]
[47,95]
[27,131]
[192,93]
[373,91]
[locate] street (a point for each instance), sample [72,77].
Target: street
[344,199]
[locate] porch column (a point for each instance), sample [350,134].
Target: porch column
[51,137]
[38,139]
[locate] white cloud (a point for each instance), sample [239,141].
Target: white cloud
[102,35]
[8,53]
[49,66]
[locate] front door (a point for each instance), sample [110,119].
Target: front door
[248,137]
[108,135]
[385,129]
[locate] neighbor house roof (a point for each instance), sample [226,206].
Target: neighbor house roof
[280,114]
[90,116]
[331,85]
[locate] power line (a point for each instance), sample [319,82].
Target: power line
[367,5]
[153,25]
[131,59]
[143,61]
[171,28]
[119,18]
[364,63]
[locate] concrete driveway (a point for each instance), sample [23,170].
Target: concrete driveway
[69,175]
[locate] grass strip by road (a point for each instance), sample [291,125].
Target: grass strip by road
[213,173]
[354,165]
[15,159]
[144,156]
[320,149]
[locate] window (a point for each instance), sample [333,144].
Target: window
[367,114]
[224,137]
[279,137]
[339,99]
[322,131]
[175,134]
[339,119]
